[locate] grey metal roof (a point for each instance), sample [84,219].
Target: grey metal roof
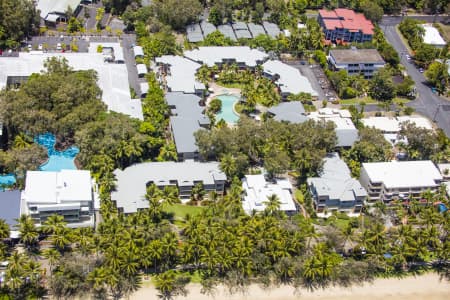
[346,137]
[187,116]
[194,33]
[272,29]
[336,181]
[292,112]
[227,31]
[345,56]
[132,181]
[51,6]
[10,207]
[207,28]
[256,29]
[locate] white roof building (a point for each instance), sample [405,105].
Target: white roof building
[241,55]
[138,51]
[393,125]
[112,77]
[141,69]
[399,174]
[346,131]
[290,80]
[51,9]
[257,190]
[70,193]
[432,36]
[180,74]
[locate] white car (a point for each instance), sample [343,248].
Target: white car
[58,46]
[40,47]
[30,47]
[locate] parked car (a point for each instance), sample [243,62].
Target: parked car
[421,70]
[58,46]
[30,47]
[40,47]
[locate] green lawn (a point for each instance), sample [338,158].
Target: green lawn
[180,210]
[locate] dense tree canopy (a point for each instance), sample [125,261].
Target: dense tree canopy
[18,19]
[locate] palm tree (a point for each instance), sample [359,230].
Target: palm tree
[52,256]
[272,204]
[97,280]
[4,230]
[228,165]
[28,232]
[53,223]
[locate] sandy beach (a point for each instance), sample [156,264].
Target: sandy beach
[425,287]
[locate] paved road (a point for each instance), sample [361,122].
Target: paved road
[427,103]
[394,20]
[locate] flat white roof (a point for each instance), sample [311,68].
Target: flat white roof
[216,55]
[141,69]
[393,125]
[291,80]
[346,131]
[404,174]
[58,187]
[138,51]
[112,78]
[181,77]
[432,36]
[257,190]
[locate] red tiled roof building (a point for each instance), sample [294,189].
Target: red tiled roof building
[344,25]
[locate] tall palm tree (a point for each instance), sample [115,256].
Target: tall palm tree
[272,204]
[28,232]
[52,256]
[53,223]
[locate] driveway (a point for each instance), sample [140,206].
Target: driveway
[426,103]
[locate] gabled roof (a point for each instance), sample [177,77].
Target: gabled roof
[346,18]
[56,6]
[227,31]
[290,79]
[10,207]
[207,28]
[132,181]
[194,33]
[292,112]
[272,29]
[256,29]
[336,182]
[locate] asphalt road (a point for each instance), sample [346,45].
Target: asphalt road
[427,103]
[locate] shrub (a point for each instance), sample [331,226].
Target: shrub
[215,105]
[99,49]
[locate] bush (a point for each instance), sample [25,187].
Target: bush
[408,110]
[349,93]
[74,47]
[215,105]
[99,49]
[378,114]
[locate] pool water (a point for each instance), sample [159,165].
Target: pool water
[227,112]
[57,160]
[7,180]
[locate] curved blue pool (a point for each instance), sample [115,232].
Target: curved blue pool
[227,113]
[57,160]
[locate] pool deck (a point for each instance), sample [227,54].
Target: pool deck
[218,90]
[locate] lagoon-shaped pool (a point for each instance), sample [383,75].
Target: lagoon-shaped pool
[57,160]
[227,112]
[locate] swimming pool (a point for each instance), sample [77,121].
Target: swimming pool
[227,113]
[57,160]
[7,180]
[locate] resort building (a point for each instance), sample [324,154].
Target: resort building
[112,77]
[390,127]
[10,210]
[52,11]
[335,189]
[69,193]
[242,56]
[187,118]
[346,132]
[199,31]
[138,52]
[432,36]
[194,33]
[288,79]
[257,190]
[363,62]
[292,112]
[345,26]
[387,181]
[177,74]
[141,70]
[133,181]
[445,171]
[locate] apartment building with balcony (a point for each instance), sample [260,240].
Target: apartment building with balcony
[132,182]
[388,181]
[345,26]
[356,61]
[69,193]
[335,189]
